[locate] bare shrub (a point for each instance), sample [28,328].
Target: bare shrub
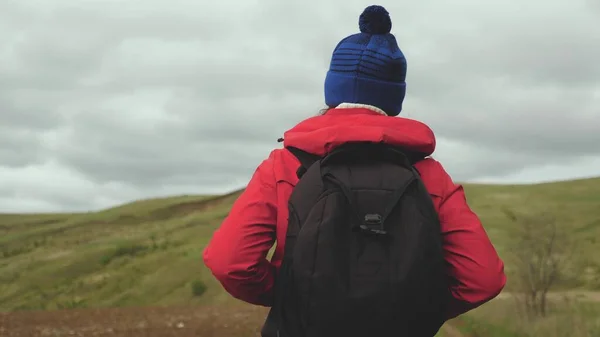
[541,250]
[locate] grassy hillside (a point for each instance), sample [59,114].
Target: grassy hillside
[149,252]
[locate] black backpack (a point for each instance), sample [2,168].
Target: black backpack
[363,251]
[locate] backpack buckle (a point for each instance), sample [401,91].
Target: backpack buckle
[373,224]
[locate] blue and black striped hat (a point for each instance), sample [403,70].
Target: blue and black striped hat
[368,67]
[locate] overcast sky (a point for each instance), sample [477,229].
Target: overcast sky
[107,101]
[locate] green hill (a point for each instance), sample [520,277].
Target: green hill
[149,252]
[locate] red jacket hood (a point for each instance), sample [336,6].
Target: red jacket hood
[321,134]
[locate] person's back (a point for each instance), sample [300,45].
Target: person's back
[364,89]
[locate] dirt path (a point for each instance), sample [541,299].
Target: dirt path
[232,321]
[242,321]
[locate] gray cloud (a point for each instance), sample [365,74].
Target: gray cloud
[105,101]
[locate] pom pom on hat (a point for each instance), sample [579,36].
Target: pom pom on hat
[375,20]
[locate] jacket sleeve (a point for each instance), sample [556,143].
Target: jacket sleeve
[475,270]
[237,252]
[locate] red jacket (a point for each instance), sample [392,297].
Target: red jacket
[237,253]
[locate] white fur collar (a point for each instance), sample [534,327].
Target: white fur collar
[357,105]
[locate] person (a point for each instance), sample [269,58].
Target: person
[364,91]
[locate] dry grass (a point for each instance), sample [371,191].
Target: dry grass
[569,316]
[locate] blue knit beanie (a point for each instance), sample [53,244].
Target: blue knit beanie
[368,67]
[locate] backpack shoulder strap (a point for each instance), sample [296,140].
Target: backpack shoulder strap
[306,159]
[413,157]
[408,158]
